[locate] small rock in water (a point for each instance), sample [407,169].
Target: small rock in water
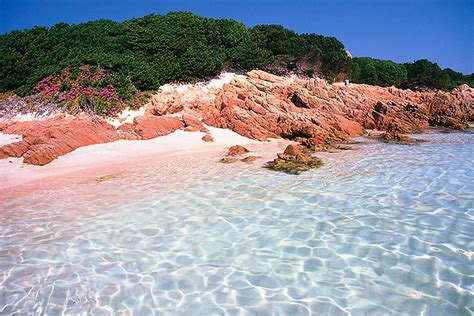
[228,160]
[294,160]
[249,159]
[344,147]
[394,137]
[208,138]
[237,150]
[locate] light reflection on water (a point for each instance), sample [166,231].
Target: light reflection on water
[386,229]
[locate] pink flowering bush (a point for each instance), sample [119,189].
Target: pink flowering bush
[90,89]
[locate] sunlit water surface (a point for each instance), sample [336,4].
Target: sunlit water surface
[382,230]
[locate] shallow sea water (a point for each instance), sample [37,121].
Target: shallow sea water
[382,230]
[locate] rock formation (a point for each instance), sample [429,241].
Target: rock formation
[314,112]
[45,140]
[193,124]
[257,105]
[228,160]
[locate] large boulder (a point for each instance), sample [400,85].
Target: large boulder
[149,126]
[237,150]
[193,124]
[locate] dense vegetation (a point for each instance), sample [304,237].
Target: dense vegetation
[146,52]
[155,49]
[377,72]
[417,75]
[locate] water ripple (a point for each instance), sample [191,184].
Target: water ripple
[383,230]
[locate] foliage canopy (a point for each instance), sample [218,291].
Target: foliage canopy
[181,46]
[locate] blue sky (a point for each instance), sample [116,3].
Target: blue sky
[400,30]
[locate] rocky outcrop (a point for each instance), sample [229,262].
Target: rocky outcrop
[45,140]
[314,112]
[294,160]
[257,105]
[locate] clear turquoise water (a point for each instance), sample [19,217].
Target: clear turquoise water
[382,230]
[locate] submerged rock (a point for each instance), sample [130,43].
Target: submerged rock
[249,159]
[228,160]
[343,147]
[109,177]
[294,160]
[237,150]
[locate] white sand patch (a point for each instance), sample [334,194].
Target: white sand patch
[13,172]
[216,83]
[6,139]
[31,117]
[127,116]
[182,89]
[219,82]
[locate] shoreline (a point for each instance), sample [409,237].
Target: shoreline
[183,119]
[89,163]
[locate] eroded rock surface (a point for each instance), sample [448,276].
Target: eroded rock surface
[45,140]
[257,105]
[313,112]
[193,124]
[208,138]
